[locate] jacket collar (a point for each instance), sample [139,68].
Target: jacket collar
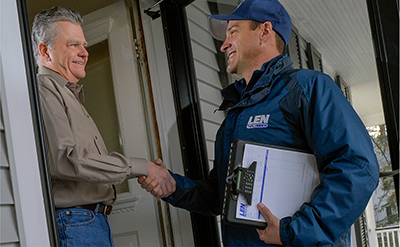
[234,92]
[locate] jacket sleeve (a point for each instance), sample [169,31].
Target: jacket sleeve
[196,196]
[346,160]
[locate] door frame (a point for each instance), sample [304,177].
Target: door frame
[187,106]
[24,130]
[138,133]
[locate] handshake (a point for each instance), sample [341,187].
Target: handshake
[159,182]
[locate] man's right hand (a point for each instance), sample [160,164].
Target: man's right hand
[159,182]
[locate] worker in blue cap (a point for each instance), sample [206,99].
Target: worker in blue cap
[300,109]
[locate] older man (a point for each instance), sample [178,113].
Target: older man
[306,110]
[82,171]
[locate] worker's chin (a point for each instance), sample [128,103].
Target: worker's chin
[231,70]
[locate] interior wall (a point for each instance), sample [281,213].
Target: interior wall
[100,99]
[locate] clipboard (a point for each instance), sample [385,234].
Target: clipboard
[251,180]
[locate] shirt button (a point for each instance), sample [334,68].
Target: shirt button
[68,212]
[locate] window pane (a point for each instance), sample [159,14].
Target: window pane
[384,197]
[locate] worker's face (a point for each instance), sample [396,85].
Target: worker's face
[241,46]
[68,55]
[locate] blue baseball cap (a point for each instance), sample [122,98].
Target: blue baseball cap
[256,10]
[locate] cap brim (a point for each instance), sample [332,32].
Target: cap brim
[217,28]
[217,25]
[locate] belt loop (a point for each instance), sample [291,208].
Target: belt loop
[97,209]
[105,209]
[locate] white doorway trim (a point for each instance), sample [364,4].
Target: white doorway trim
[135,211]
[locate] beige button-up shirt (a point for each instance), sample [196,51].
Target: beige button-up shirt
[82,170]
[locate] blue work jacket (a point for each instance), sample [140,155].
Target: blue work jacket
[301,109]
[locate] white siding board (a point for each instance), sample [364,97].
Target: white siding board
[202,6]
[210,84]
[199,31]
[203,55]
[198,13]
[10,245]
[210,130]
[3,151]
[1,120]
[210,94]
[207,74]
[207,111]
[211,165]
[210,150]
[6,197]
[8,225]
[200,37]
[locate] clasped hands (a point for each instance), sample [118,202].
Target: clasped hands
[159,182]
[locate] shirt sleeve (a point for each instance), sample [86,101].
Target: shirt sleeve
[75,161]
[347,163]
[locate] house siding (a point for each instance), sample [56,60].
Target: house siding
[9,226]
[207,75]
[23,216]
[207,72]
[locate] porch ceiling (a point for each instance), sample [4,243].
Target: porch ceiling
[340,30]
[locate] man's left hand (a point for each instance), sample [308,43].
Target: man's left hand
[269,235]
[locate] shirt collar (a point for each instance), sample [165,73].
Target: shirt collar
[75,88]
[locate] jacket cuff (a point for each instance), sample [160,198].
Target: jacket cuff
[171,198]
[284,231]
[182,183]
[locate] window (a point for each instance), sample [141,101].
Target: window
[384,198]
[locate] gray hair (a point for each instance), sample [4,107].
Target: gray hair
[44,28]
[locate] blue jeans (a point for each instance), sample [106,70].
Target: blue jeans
[83,227]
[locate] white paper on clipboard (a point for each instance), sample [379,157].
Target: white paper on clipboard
[284,180]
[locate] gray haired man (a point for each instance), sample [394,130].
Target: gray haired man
[83,172]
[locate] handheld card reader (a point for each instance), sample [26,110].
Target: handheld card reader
[242,181]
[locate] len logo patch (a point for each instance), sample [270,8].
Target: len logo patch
[258,122]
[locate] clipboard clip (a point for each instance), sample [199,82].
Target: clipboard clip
[241,181]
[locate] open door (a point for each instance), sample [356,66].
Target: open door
[116,99]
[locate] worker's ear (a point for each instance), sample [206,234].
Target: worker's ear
[44,51]
[266,31]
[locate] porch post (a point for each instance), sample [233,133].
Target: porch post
[187,105]
[384,21]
